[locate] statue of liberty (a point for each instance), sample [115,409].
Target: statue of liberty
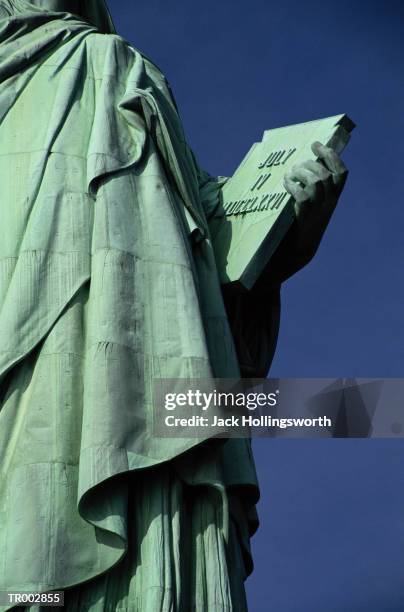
[108,280]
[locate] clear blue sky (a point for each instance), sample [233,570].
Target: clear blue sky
[332,512]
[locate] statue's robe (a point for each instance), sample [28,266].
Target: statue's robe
[108,280]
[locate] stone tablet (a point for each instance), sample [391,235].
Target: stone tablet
[257,210]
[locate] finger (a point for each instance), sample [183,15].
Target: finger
[329,186]
[333,162]
[315,191]
[295,190]
[330,158]
[300,208]
[302,174]
[313,186]
[318,169]
[324,175]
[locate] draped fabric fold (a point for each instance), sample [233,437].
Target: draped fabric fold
[103,288]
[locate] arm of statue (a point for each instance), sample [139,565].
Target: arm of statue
[254,323]
[254,316]
[315,187]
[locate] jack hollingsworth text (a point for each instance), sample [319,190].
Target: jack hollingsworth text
[245,421]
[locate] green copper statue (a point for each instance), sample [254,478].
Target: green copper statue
[108,280]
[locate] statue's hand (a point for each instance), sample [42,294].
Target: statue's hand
[316,187]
